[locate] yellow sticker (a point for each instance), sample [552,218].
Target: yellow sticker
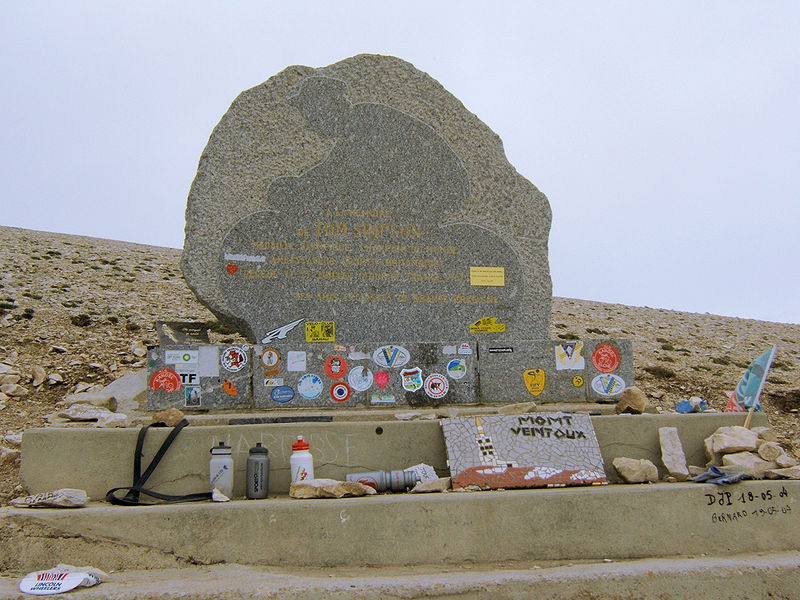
[577,381]
[534,381]
[487,276]
[320,331]
[487,325]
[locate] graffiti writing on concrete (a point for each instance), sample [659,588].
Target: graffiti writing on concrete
[740,506]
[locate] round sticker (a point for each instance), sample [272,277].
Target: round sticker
[335,367]
[165,379]
[608,385]
[282,394]
[577,381]
[360,379]
[340,392]
[390,356]
[457,368]
[605,358]
[436,386]
[270,358]
[233,359]
[309,386]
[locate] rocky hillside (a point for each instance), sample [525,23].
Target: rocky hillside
[75,312]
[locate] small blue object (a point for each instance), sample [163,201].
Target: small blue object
[714,475]
[686,406]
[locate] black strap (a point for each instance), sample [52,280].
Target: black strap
[132,498]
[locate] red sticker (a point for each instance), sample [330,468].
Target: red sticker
[335,367]
[381,378]
[165,379]
[605,358]
[340,392]
[232,268]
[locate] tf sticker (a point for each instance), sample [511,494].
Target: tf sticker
[535,380]
[412,379]
[436,386]
[340,392]
[233,359]
[165,379]
[568,356]
[309,386]
[335,367]
[320,331]
[605,358]
[487,325]
[457,368]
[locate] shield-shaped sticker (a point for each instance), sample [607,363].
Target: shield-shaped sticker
[412,379]
[534,381]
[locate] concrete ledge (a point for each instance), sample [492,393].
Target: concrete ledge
[97,460]
[589,523]
[731,578]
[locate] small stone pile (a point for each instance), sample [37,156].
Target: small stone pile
[754,452]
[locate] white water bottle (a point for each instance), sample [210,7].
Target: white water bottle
[301,463]
[221,469]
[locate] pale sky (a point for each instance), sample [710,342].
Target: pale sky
[666,135]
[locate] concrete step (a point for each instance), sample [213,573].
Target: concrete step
[586,523]
[96,460]
[775,575]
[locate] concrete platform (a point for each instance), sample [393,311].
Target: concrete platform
[587,523]
[748,576]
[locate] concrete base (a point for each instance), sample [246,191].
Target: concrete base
[730,578]
[589,523]
[96,460]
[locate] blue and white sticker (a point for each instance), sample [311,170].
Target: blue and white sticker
[282,394]
[310,386]
[360,378]
[608,384]
[457,368]
[391,356]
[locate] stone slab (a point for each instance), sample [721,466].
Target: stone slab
[364,195]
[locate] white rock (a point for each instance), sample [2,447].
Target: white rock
[13,389]
[748,463]
[634,470]
[13,439]
[112,420]
[100,398]
[786,461]
[54,378]
[730,440]
[770,451]
[713,457]
[63,498]
[672,453]
[441,484]
[6,369]
[13,378]
[765,433]
[407,416]
[8,455]
[130,392]
[329,488]
[787,473]
[87,412]
[39,375]
[218,496]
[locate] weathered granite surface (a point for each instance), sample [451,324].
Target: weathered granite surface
[364,199]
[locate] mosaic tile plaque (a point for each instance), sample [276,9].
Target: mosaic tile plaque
[523,451]
[199,377]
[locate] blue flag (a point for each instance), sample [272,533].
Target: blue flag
[748,390]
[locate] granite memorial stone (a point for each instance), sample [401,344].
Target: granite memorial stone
[361,202]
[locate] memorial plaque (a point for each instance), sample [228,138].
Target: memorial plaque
[361,202]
